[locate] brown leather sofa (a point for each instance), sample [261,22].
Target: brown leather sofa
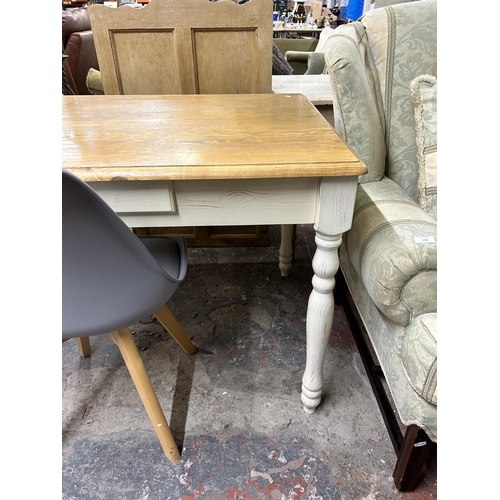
[78,45]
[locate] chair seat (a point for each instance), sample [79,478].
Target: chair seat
[111,279]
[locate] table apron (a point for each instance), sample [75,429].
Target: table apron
[212,202]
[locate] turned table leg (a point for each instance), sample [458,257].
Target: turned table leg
[286,249]
[334,212]
[319,317]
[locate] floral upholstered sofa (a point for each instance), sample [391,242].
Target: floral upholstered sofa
[383,70]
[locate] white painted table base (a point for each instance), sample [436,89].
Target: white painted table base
[327,202]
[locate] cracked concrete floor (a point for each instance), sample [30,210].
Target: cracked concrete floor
[234,407]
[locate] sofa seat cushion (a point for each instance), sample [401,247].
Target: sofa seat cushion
[424,97]
[392,244]
[419,356]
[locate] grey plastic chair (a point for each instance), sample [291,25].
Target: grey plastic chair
[111,279]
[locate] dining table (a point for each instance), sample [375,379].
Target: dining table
[224,159]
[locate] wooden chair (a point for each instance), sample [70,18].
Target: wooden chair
[185,47]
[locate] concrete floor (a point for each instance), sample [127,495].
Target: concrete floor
[234,407]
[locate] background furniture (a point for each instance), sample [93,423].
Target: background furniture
[68,4]
[307,45]
[286,32]
[78,45]
[263,172]
[386,3]
[111,280]
[188,47]
[315,59]
[66,89]
[383,70]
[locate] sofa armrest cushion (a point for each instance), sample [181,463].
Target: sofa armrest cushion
[424,97]
[392,244]
[296,44]
[419,356]
[357,101]
[315,63]
[297,55]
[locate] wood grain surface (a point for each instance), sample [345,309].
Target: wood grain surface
[189,137]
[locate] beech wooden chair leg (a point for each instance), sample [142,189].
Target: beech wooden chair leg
[414,450]
[123,339]
[170,323]
[84,346]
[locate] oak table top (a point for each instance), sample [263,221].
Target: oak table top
[193,137]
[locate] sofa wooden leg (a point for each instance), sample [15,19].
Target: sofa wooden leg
[412,455]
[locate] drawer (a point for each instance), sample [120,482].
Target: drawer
[127,197]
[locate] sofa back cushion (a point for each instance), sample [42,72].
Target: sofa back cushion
[403,44]
[357,101]
[323,38]
[372,63]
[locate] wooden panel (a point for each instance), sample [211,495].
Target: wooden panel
[225,47]
[213,236]
[185,47]
[143,70]
[219,71]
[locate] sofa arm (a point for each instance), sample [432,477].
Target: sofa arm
[297,56]
[315,63]
[419,356]
[82,56]
[392,244]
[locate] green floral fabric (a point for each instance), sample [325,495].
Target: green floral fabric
[387,339]
[403,44]
[357,101]
[419,356]
[393,247]
[389,256]
[424,97]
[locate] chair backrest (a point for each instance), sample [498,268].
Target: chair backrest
[372,63]
[110,280]
[185,47]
